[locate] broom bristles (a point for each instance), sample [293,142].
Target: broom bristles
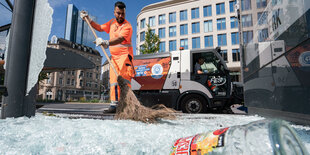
[129,107]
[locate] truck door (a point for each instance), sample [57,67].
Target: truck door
[173,77]
[215,75]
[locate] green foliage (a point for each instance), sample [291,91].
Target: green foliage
[42,76]
[151,44]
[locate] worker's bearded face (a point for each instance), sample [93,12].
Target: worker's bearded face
[119,14]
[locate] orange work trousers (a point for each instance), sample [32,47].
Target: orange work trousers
[124,67]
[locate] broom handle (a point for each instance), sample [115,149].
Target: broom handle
[105,53]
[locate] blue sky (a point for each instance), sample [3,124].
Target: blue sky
[103,9]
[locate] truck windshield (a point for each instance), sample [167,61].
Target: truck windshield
[212,63]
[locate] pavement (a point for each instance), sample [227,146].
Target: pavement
[90,110]
[74,108]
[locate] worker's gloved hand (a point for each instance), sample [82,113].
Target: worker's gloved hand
[84,14]
[104,43]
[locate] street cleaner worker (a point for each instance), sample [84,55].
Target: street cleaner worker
[120,32]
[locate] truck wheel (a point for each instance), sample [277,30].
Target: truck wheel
[193,104]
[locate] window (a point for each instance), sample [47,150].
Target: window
[236,55]
[195,27]
[81,83]
[221,24]
[245,5]
[60,81]
[68,81]
[172,45]
[87,74]
[263,35]
[49,80]
[208,26]
[211,63]
[162,32]
[208,41]
[183,15]
[221,40]
[142,23]
[162,19]
[195,13]
[262,18]
[162,46]
[247,37]
[232,6]
[261,3]
[183,29]
[224,55]
[73,82]
[235,38]
[220,8]
[153,31]
[142,36]
[172,31]
[152,21]
[247,20]
[73,72]
[172,17]
[184,43]
[207,11]
[141,48]
[196,42]
[233,22]
[90,75]
[97,76]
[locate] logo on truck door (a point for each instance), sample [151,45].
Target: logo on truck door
[157,71]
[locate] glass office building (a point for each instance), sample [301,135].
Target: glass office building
[76,29]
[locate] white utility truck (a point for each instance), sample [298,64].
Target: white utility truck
[169,78]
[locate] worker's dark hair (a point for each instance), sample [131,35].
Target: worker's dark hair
[120,5]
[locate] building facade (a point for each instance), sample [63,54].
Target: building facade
[105,73]
[194,24]
[76,29]
[3,35]
[70,85]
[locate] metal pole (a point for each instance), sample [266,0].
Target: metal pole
[14,105]
[242,61]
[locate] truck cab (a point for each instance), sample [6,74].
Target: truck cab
[171,79]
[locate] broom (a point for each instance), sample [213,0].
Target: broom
[129,106]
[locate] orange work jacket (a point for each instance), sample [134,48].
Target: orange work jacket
[115,30]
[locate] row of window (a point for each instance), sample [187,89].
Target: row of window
[72,82]
[209,41]
[207,12]
[235,55]
[208,26]
[80,92]
[88,74]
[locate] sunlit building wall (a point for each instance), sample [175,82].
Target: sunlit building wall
[197,24]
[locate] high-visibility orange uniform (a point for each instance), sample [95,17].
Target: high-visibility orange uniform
[122,54]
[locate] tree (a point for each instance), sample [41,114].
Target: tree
[42,76]
[151,44]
